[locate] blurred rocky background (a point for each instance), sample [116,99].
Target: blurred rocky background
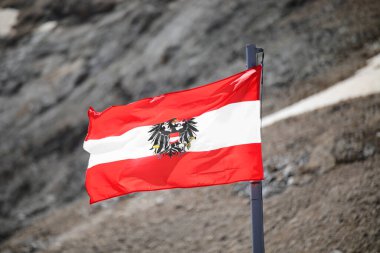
[59,57]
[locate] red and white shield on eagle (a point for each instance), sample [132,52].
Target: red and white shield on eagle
[173,137]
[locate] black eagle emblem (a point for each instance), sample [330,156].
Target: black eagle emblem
[173,137]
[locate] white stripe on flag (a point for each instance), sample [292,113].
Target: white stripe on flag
[230,125]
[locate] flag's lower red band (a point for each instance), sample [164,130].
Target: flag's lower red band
[192,169]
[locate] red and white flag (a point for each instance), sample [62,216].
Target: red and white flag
[208,135]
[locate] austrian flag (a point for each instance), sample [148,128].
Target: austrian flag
[204,136]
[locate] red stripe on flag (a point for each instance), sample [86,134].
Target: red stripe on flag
[185,104]
[192,169]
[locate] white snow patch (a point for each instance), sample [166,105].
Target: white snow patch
[47,27]
[364,82]
[8,18]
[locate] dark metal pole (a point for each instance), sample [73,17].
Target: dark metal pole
[256,187]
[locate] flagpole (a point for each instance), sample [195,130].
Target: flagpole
[256,187]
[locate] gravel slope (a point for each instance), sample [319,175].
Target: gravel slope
[331,201]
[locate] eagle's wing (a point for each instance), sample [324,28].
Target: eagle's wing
[189,131]
[159,140]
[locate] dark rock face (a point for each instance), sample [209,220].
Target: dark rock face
[352,147]
[109,52]
[339,135]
